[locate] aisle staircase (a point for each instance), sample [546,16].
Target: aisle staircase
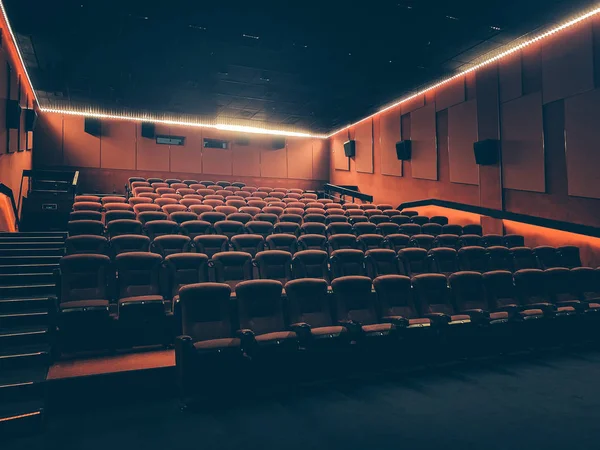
[27,262]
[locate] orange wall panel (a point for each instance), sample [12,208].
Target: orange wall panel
[462,133]
[300,158]
[389,135]
[450,94]
[23,103]
[340,161]
[412,104]
[13,134]
[364,146]
[3,97]
[424,159]
[216,161]
[187,157]
[273,163]
[150,155]
[118,145]
[509,71]
[80,148]
[320,159]
[246,159]
[48,142]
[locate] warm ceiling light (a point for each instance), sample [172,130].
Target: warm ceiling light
[477,66]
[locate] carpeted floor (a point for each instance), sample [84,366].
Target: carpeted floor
[542,403]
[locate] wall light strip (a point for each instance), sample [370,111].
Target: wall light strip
[184,123]
[486,62]
[14,39]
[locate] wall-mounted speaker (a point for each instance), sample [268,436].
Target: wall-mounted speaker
[403,150]
[13,114]
[350,148]
[242,141]
[30,119]
[148,130]
[487,152]
[278,143]
[92,126]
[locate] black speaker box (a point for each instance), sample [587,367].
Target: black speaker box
[350,148]
[278,143]
[148,130]
[13,114]
[30,119]
[403,150]
[92,126]
[487,152]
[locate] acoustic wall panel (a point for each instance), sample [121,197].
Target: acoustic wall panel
[187,157]
[300,158]
[217,161]
[118,145]
[424,160]
[273,163]
[412,104]
[13,133]
[568,63]
[320,159]
[80,148]
[48,149]
[450,94]
[388,136]
[522,144]
[4,73]
[150,155]
[462,133]
[246,158]
[582,135]
[531,68]
[23,103]
[364,146]
[509,72]
[340,161]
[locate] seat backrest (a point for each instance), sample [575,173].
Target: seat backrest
[400,219]
[364,228]
[314,210]
[382,261]
[410,229]
[229,228]
[370,241]
[378,219]
[85,277]
[316,218]
[171,243]
[291,218]
[387,228]
[560,284]
[569,256]
[240,217]
[395,296]
[209,244]
[474,259]
[468,291]
[138,274]
[152,195]
[169,209]
[500,258]
[290,228]
[338,228]
[274,265]
[420,220]
[470,240]
[150,216]
[446,240]
[212,201]
[440,220]
[143,207]
[87,244]
[443,260]
[409,213]
[433,229]
[310,264]
[116,215]
[514,240]
[283,242]
[313,228]
[205,311]
[183,216]
[276,210]
[193,228]
[342,241]
[397,241]
[157,228]
[256,203]
[335,219]
[493,240]
[354,300]
[226,209]
[252,210]
[548,257]
[212,217]
[473,228]
[587,283]
[261,227]
[249,243]
[347,262]
[308,302]
[87,206]
[312,242]
[232,267]
[414,261]
[424,241]
[186,268]
[260,306]
[531,286]
[86,215]
[432,294]
[500,289]
[79,227]
[117,207]
[199,209]
[125,243]
[523,258]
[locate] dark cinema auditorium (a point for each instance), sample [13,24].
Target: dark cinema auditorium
[300,225]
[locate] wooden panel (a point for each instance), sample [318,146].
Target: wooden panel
[23,103]
[118,145]
[364,146]
[509,72]
[531,62]
[3,96]
[150,155]
[424,146]
[273,163]
[320,159]
[216,161]
[13,134]
[582,134]
[48,150]
[80,148]
[462,133]
[300,158]
[340,161]
[246,158]
[471,85]
[522,144]
[187,157]
[389,135]
[450,94]
[414,103]
[568,63]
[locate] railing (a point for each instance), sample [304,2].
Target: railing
[4,189]
[347,191]
[505,215]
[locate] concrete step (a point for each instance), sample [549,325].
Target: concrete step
[20,336]
[14,237]
[30,234]
[27,268]
[21,418]
[25,356]
[22,384]
[18,304]
[26,279]
[32,252]
[17,319]
[6,260]
[28,245]
[32,290]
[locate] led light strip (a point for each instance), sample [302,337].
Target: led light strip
[476,67]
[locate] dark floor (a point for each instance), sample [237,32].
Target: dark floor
[547,402]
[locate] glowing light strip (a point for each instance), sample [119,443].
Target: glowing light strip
[20,416]
[476,67]
[18,51]
[216,126]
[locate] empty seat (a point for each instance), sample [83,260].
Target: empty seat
[195,228]
[410,229]
[260,195]
[291,218]
[419,220]
[123,226]
[514,240]
[586,281]
[171,181]
[165,190]
[493,240]
[499,258]
[151,195]
[142,189]
[249,243]
[397,241]
[229,228]
[205,191]
[210,244]
[470,240]
[547,257]
[378,219]
[125,243]
[367,206]
[355,212]
[313,210]
[474,259]
[384,206]
[409,213]
[312,242]
[212,217]
[86,215]
[223,184]
[358,219]
[157,228]
[370,241]
[569,256]
[183,216]
[117,207]
[364,228]
[317,218]
[154,180]
[97,245]
[533,291]
[452,229]
[446,240]
[287,228]
[169,244]
[391,212]
[240,217]
[143,207]
[137,182]
[388,228]
[235,203]
[468,291]
[347,262]
[310,195]
[443,260]
[338,228]
[87,206]
[186,191]
[414,261]
[310,264]
[223,192]
[440,220]
[335,219]
[434,300]
[160,184]
[284,242]
[422,241]
[199,209]
[400,219]
[184,269]
[207,183]
[433,229]
[169,209]
[256,203]
[396,301]
[313,228]
[176,197]
[561,287]
[259,227]
[266,217]
[212,202]
[276,210]
[190,182]
[226,209]
[523,258]
[79,227]
[232,267]
[187,202]
[149,216]
[252,210]
[374,212]
[473,229]
[274,265]
[342,241]
[382,262]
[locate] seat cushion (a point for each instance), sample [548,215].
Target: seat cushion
[328,331]
[84,304]
[217,344]
[499,315]
[460,318]
[567,310]
[593,305]
[419,322]
[276,336]
[377,328]
[141,299]
[531,312]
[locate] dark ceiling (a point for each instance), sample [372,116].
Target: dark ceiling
[305,64]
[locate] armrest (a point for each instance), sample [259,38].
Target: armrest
[510,309]
[546,307]
[302,329]
[246,336]
[398,321]
[183,345]
[438,318]
[352,326]
[477,315]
